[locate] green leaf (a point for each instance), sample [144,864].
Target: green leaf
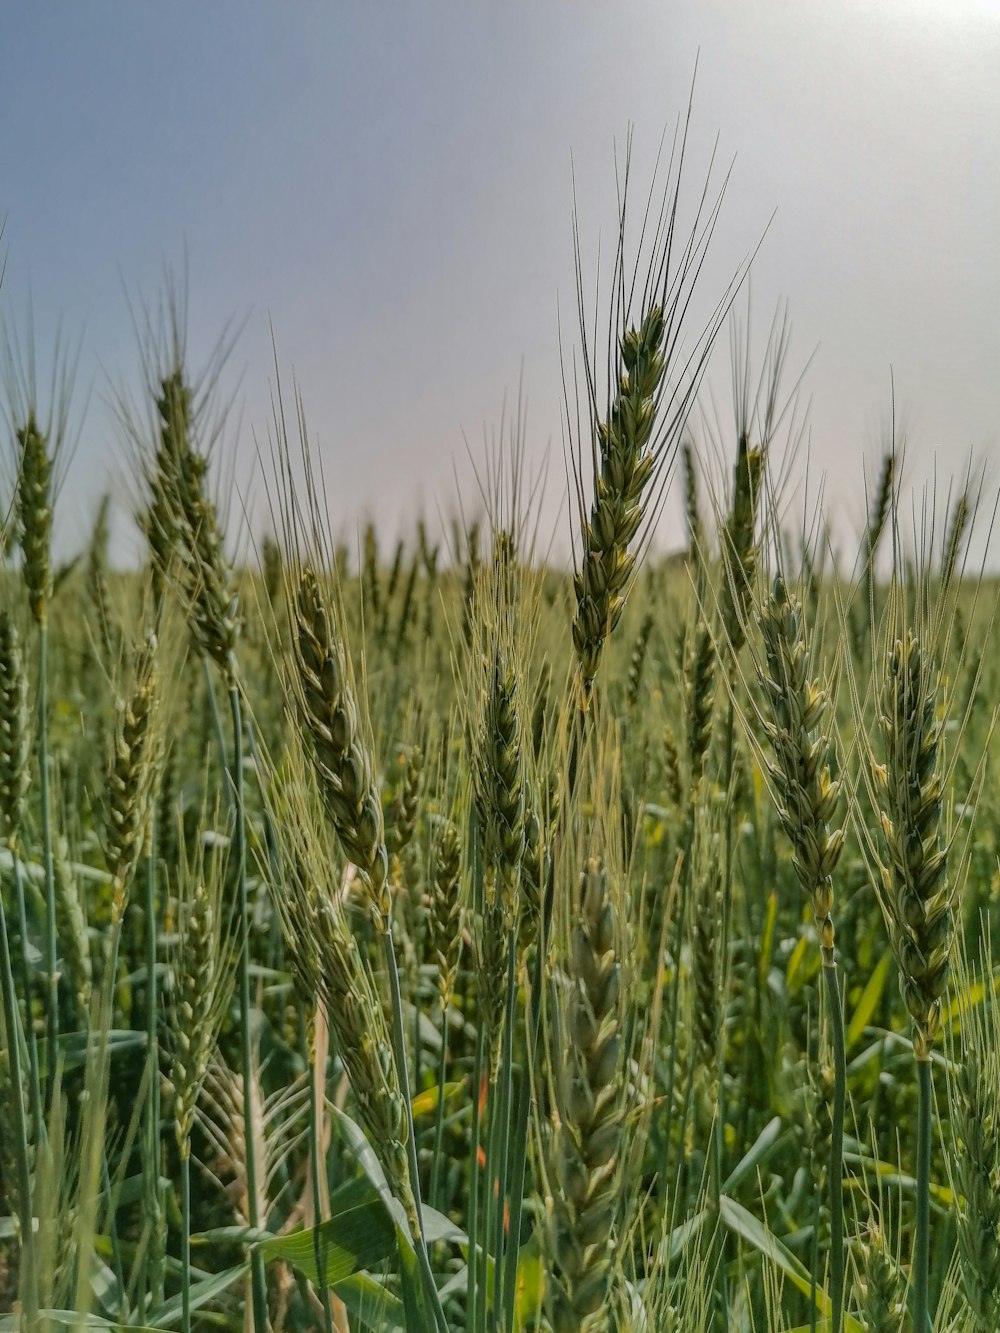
[69,1319]
[201,1293]
[359,1236]
[674,1242]
[231,1235]
[371,1305]
[409,1275]
[755,1155]
[761,1238]
[530,1288]
[364,1154]
[802,966]
[767,938]
[427,1101]
[892,1176]
[868,1002]
[972,996]
[74,1046]
[437,1227]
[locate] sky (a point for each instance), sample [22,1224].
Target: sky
[379,197]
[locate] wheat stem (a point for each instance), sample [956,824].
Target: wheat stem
[446,930]
[93,1154]
[837,1262]
[186,1242]
[34,1076]
[434,1196]
[517,1186]
[506,1096]
[51,947]
[922,1238]
[258,1284]
[491,1246]
[817,1211]
[220,735]
[719,1242]
[687,847]
[399,1051]
[151,1160]
[117,1266]
[12,1030]
[317,1166]
[472,1284]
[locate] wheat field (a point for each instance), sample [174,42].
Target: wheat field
[433,937]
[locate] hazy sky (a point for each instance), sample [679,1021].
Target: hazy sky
[390,185]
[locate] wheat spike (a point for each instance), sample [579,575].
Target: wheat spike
[132,775]
[14,770]
[34,495]
[405,806]
[626,465]
[699,702]
[97,578]
[879,1285]
[212,596]
[739,544]
[162,520]
[204,972]
[637,661]
[329,722]
[587,1138]
[908,786]
[797,730]
[446,909]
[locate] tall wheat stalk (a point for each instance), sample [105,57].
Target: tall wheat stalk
[802,757]
[35,500]
[909,849]
[131,779]
[185,535]
[14,782]
[325,711]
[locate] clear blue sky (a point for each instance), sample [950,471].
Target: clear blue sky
[390,185]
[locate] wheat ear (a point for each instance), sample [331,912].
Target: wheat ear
[879,1285]
[131,776]
[35,487]
[331,728]
[14,742]
[626,465]
[35,492]
[908,785]
[587,1136]
[913,890]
